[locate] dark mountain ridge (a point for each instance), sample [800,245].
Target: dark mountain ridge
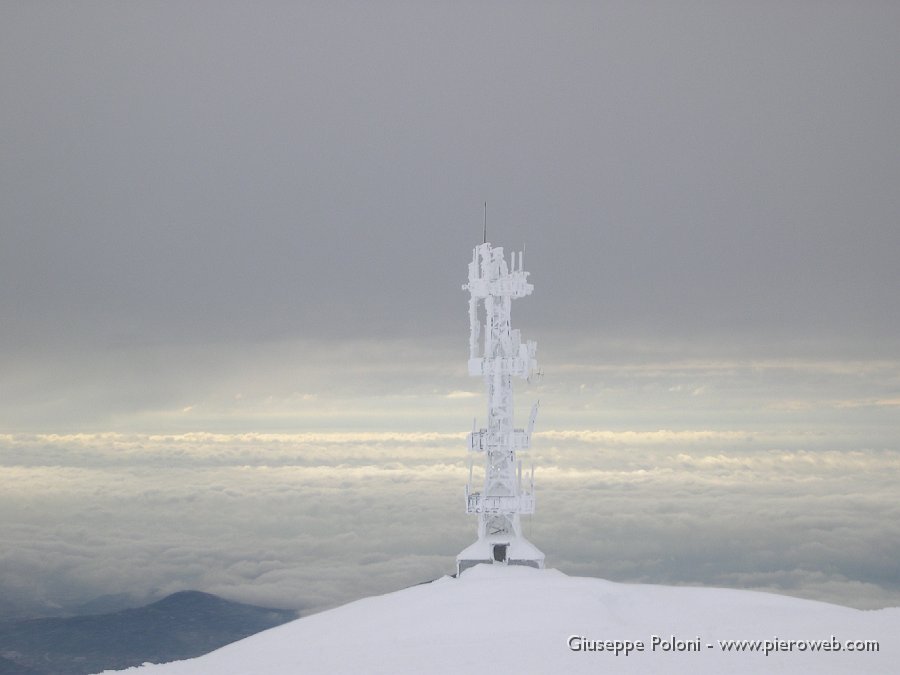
[180,626]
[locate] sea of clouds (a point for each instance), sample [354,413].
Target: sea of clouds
[315,520]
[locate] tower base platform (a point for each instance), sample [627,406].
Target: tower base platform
[500,550]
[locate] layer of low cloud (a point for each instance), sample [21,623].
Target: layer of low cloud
[775,474]
[314,521]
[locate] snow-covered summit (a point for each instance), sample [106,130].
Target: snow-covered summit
[546,622]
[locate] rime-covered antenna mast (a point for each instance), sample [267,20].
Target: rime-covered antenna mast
[493,284]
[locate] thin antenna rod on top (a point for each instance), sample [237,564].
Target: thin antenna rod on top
[485,224]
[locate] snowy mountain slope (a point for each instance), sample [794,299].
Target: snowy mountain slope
[520,620]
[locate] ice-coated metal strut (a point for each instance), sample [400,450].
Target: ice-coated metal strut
[497,354]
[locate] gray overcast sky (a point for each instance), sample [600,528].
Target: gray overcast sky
[238,218]
[226,171]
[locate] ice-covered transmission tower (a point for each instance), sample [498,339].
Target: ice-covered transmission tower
[497,354]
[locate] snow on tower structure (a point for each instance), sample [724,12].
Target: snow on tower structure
[497,358]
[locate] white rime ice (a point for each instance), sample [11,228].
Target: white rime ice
[497,357]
